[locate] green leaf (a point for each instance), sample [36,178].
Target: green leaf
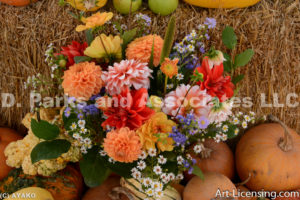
[238,78]
[89,36]
[228,63]
[169,39]
[243,58]
[93,169]
[79,59]
[229,38]
[198,172]
[44,130]
[152,56]
[127,37]
[48,150]
[74,15]
[122,169]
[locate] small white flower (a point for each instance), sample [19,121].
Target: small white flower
[111,160]
[180,76]
[83,130]
[180,160]
[134,170]
[225,128]
[236,131]
[197,148]
[164,178]
[73,126]
[76,135]
[157,170]
[143,155]
[123,27]
[102,153]
[171,176]
[179,177]
[147,182]
[87,141]
[162,160]
[83,150]
[159,194]
[81,123]
[236,121]
[141,165]
[252,113]
[188,156]
[152,152]
[137,175]
[191,48]
[156,186]
[244,124]
[247,118]
[150,192]
[170,86]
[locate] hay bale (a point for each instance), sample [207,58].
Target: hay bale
[272,28]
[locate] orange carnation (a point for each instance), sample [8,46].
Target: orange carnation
[123,145]
[169,67]
[141,48]
[83,80]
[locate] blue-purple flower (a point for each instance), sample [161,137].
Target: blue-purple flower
[210,22]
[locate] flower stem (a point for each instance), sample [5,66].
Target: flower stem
[166,83]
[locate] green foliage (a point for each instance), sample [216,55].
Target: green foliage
[44,130]
[127,37]
[243,58]
[169,39]
[93,169]
[198,172]
[48,150]
[89,36]
[228,63]
[197,76]
[79,59]
[122,169]
[238,78]
[229,38]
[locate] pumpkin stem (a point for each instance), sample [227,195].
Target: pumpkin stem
[244,182]
[117,191]
[206,152]
[285,143]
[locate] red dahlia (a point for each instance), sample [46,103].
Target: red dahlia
[128,109]
[214,82]
[73,50]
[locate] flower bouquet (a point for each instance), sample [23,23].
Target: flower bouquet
[136,105]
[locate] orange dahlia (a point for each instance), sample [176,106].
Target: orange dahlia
[141,48]
[123,145]
[82,80]
[169,67]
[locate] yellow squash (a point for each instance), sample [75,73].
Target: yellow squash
[34,193]
[222,3]
[87,5]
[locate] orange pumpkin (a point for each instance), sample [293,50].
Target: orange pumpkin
[6,136]
[63,185]
[212,187]
[18,2]
[179,188]
[217,157]
[102,192]
[271,154]
[244,190]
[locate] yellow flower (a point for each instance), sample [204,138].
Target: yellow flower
[97,19]
[87,5]
[169,67]
[156,132]
[155,103]
[105,46]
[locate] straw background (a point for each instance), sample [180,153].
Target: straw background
[271,28]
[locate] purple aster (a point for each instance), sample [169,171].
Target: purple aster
[203,122]
[207,36]
[210,22]
[91,110]
[202,50]
[80,116]
[191,169]
[67,112]
[186,164]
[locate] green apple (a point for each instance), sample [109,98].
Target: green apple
[123,6]
[163,7]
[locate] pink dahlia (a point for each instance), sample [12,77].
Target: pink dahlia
[82,80]
[196,101]
[125,74]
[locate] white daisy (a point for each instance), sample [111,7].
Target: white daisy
[87,141]
[150,192]
[244,124]
[83,150]
[141,165]
[252,113]
[152,152]
[102,153]
[236,121]
[225,128]
[197,148]
[236,131]
[171,176]
[81,123]
[180,160]
[143,155]
[147,182]
[180,76]
[157,170]
[73,126]
[179,177]
[156,186]
[83,130]
[111,160]
[162,160]
[191,48]
[76,135]
[170,86]
[164,178]
[137,175]
[159,194]
[134,170]
[247,118]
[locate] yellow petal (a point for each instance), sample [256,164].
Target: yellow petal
[80,28]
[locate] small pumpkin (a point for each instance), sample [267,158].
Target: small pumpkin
[211,187]
[103,191]
[18,2]
[35,193]
[216,157]
[222,3]
[270,153]
[63,185]
[6,136]
[87,5]
[134,186]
